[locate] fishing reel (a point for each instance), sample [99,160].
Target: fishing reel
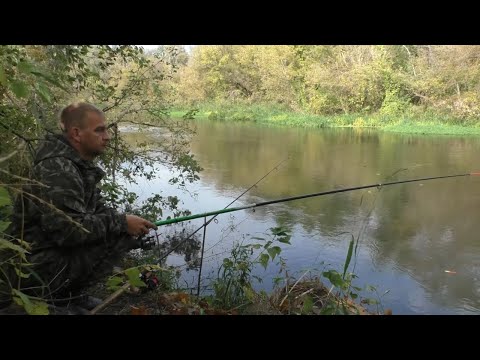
[146,242]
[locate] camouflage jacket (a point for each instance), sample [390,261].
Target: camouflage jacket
[71,193]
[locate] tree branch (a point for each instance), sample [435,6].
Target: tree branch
[126,92]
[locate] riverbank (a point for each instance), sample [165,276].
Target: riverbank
[410,123]
[306,297]
[309,297]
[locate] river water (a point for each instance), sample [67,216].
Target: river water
[419,243]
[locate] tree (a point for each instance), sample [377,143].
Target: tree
[130,87]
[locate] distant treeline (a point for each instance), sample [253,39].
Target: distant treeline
[438,80]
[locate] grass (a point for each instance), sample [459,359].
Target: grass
[412,122]
[307,297]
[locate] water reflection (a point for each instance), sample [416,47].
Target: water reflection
[409,233]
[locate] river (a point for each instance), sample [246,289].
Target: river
[419,243]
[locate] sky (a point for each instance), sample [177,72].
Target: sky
[188,48]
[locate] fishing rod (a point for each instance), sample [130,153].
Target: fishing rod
[209,221]
[227,210]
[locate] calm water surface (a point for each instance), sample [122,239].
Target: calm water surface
[410,234]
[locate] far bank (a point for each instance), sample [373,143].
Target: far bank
[411,122]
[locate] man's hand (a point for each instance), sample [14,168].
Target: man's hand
[137,226]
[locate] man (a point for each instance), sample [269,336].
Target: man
[75,238]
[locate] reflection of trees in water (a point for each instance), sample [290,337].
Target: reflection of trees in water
[426,231]
[183,244]
[422,229]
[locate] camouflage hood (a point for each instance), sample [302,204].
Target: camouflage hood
[58,146]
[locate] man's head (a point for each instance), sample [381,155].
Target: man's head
[84,126]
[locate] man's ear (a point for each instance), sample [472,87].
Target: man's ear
[75,133]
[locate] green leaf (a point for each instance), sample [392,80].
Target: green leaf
[39,308]
[33,307]
[4,225]
[258,238]
[278,231]
[25,67]
[274,251]
[44,92]
[21,274]
[264,260]
[3,77]
[277,280]
[136,282]
[349,256]
[250,295]
[307,305]
[334,278]
[49,78]
[133,275]
[285,239]
[9,245]
[19,88]
[242,265]
[18,301]
[4,197]
[133,272]
[153,267]
[227,263]
[23,300]
[114,281]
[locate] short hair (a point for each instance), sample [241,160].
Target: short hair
[75,115]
